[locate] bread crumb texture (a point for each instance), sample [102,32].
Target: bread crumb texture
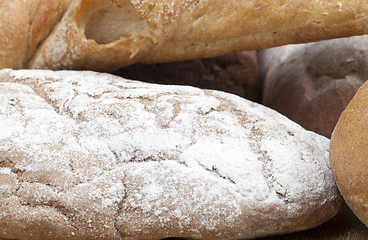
[85,155]
[107,34]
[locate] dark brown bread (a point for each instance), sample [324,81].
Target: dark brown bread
[235,73]
[313,83]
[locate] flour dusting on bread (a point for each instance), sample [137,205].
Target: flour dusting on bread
[118,159]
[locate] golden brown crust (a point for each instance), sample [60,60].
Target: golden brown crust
[92,34]
[14,26]
[24,25]
[44,15]
[161,15]
[348,154]
[108,34]
[221,26]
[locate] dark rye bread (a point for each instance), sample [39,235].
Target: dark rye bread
[313,83]
[234,73]
[94,156]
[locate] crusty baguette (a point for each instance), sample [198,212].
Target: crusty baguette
[14,23]
[108,34]
[94,156]
[24,25]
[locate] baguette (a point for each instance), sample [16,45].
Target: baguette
[109,34]
[24,26]
[94,156]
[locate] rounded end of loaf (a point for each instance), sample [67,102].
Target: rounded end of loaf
[98,35]
[348,154]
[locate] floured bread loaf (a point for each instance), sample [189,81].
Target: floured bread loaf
[86,156]
[349,154]
[313,83]
[108,34]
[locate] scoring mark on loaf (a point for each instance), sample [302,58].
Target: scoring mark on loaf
[267,165]
[255,142]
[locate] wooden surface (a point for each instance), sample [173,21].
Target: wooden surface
[344,226]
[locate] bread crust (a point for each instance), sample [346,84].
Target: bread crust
[348,154]
[86,155]
[221,26]
[14,24]
[108,34]
[313,83]
[44,15]
[24,25]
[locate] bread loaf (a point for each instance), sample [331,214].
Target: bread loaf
[235,73]
[313,83]
[24,26]
[94,156]
[108,34]
[349,154]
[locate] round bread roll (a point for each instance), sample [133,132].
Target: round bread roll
[349,154]
[94,156]
[313,83]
